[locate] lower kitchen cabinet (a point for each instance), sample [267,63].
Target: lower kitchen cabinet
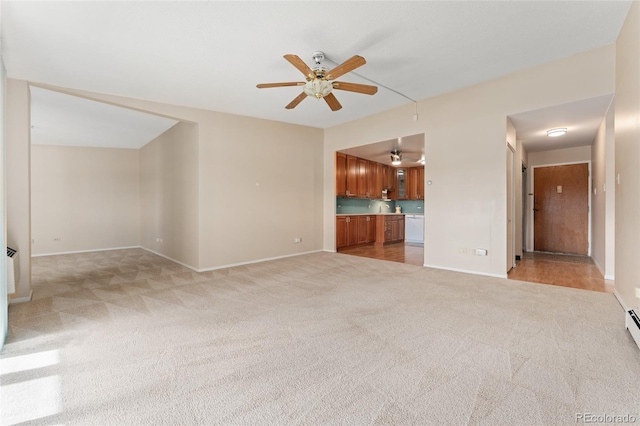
[354,230]
[389,229]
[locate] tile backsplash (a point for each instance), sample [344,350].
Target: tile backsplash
[359,206]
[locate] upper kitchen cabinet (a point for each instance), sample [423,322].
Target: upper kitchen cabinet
[378,179]
[341,174]
[414,183]
[401,184]
[420,183]
[360,178]
[389,181]
[352,176]
[363,177]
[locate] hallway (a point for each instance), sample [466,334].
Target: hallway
[560,269]
[545,268]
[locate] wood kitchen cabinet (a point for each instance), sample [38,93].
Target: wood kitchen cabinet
[363,177]
[341,174]
[389,229]
[378,180]
[415,183]
[366,229]
[342,239]
[350,173]
[420,184]
[360,178]
[352,176]
[389,179]
[354,230]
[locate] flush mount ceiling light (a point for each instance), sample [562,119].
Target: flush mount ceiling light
[396,158]
[554,133]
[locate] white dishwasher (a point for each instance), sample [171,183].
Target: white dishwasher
[414,228]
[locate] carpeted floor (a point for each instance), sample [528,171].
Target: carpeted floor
[126,337]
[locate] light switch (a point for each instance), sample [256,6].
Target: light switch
[559,189]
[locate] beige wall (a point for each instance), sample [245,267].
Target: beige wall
[465,207]
[17,150]
[560,156]
[83,198]
[627,159]
[261,180]
[602,197]
[169,194]
[4,297]
[239,221]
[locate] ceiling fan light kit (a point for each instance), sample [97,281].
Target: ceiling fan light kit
[317,88]
[319,82]
[396,157]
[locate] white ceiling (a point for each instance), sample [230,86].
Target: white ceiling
[212,54]
[581,119]
[59,119]
[411,147]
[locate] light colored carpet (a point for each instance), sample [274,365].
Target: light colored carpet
[125,337]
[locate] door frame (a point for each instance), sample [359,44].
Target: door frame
[530,178]
[511,207]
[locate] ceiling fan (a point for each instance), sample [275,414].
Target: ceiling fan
[320,81]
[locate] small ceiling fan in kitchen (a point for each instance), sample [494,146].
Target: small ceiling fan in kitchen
[320,81]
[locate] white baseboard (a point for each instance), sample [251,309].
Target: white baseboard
[84,251]
[21,299]
[171,259]
[231,265]
[600,268]
[620,301]
[610,277]
[465,271]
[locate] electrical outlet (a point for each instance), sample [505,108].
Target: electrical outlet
[480,252]
[462,250]
[56,238]
[297,240]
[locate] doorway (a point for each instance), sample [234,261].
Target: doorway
[511,246]
[561,209]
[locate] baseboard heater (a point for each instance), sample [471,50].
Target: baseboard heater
[13,270]
[633,325]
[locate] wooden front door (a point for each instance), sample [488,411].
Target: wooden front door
[561,209]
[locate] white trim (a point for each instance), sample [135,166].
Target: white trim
[600,268]
[329,250]
[171,259]
[466,271]
[22,299]
[231,265]
[620,301]
[84,251]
